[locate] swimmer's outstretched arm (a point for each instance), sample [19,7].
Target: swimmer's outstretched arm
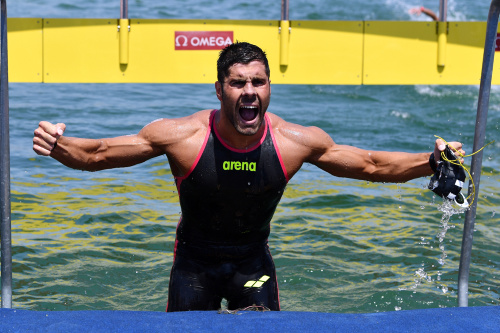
[313,145]
[376,166]
[93,154]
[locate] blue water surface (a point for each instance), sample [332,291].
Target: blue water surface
[105,240]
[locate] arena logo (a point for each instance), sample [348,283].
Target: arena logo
[202,40]
[239,166]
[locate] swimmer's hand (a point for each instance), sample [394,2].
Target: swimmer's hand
[456,148]
[46,136]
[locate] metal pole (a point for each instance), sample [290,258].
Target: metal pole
[5,165]
[284,10]
[479,138]
[443,10]
[123,9]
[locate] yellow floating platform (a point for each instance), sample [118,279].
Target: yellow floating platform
[299,52]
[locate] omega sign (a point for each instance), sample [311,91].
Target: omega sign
[202,40]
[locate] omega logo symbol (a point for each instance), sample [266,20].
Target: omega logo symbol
[178,40]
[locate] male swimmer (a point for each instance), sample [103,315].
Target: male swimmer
[231,167]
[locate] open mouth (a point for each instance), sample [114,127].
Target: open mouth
[248,112]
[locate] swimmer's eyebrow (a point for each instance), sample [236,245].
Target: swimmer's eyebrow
[241,80]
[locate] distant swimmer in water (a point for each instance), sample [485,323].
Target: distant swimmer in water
[426,11]
[231,167]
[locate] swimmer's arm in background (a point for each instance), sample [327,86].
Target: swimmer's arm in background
[426,11]
[95,154]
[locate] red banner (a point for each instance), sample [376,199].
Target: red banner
[202,40]
[497,46]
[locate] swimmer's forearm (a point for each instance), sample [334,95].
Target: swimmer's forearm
[99,154]
[375,166]
[77,153]
[399,167]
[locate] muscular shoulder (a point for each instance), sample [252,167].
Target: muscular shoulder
[297,143]
[167,132]
[308,138]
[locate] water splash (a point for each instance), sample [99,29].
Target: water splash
[421,276]
[448,210]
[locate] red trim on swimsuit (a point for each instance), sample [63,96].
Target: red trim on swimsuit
[180,179]
[277,149]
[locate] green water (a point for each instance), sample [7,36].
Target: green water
[88,241]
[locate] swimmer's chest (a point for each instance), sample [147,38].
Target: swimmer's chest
[222,171]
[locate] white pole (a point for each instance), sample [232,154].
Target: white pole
[5,165]
[479,138]
[443,10]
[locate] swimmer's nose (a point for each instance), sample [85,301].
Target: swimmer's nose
[249,89]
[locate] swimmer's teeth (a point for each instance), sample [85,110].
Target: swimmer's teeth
[248,112]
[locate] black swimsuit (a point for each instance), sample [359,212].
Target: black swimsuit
[227,200]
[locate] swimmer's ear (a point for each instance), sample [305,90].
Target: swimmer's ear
[218,90]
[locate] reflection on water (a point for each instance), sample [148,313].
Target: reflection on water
[105,240]
[339,246]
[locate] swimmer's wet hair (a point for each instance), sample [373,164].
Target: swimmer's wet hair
[239,53]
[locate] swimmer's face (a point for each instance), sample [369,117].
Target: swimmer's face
[245,95]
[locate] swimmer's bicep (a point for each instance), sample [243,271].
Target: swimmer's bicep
[344,161]
[323,152]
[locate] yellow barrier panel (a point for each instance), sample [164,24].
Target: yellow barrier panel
[25,49]
[442,28]
[87,51]
[81,50]
[406,53]
[284,42]
[319,52]
[464,54]
[153,57]
[325,52]
[124,29]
